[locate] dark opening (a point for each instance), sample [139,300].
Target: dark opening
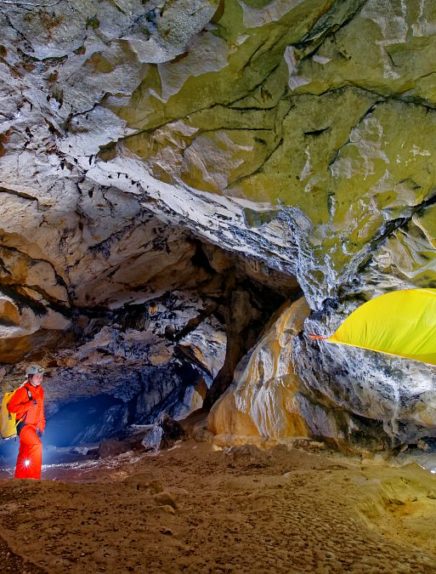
[86,421]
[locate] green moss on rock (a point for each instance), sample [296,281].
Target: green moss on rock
[322,106]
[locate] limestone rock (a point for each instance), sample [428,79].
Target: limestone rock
[149,148]
[152,438]
[394,398]
[23,327]
[110,448]
[263,400]
[206,345]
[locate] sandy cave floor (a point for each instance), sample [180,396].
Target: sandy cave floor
[191,509]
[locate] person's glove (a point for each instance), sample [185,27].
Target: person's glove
[39,433]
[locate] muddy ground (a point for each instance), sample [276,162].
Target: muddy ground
[192,509]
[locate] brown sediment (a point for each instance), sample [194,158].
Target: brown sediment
[11,562]
[192,509]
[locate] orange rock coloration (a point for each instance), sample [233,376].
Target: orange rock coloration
[261,404]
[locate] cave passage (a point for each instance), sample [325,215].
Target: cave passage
[87,420]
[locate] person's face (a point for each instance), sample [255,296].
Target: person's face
[36,380]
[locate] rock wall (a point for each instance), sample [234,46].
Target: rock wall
[265,400]
[293,140]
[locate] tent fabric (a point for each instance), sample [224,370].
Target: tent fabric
[401,323]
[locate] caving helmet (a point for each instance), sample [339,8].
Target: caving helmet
[34,370]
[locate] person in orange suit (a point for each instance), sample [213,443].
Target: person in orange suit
[27,403]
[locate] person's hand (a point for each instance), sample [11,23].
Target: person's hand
[39,433]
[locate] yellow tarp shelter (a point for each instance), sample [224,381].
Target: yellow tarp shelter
[399,323]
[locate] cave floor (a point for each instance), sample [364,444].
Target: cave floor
[195,510]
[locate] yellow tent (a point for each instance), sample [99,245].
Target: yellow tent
[399,323]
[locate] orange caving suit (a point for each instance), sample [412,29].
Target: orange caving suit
[31,412]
